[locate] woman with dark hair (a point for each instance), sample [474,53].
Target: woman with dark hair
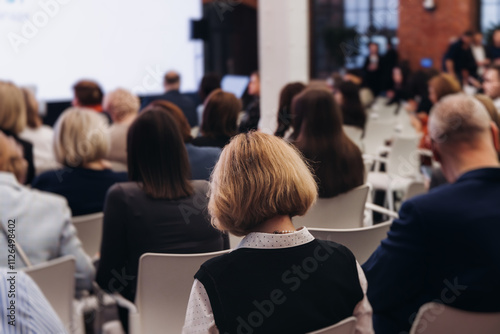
[209,83]
[201,159]
[285,107]
[347,97]
[220,119]
[160,210]
[318,134]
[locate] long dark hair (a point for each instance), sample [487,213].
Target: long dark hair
[336,160]
[285,106]
[353,112]
[157,157]
[220,116]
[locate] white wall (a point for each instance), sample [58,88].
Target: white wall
[283,52]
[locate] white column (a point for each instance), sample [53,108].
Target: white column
[283,52]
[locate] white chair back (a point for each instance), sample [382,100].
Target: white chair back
[434,318]
[376,133]
[346,326]
[234,240]
[414,189]
[404,159]
[355,134]
[89,228]
[361,241]
[56,279]
[163,290]
[342,211]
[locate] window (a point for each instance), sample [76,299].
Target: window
[490,14]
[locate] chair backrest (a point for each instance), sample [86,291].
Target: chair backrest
[414,189]
[89,228]
[234,241]
[163,289]
[117,166]
[342,211]
[56,279]
[361,241]
[346,326]
[404,158]
[434,318]
[376,133]
[355,134]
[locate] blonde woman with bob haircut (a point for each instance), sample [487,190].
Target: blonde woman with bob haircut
[13,121]
[278,279]
[81,143]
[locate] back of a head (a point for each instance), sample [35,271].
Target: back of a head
[490,108]
[177,115]
[456,120]
[172,80]
[258,177]
[220,115]
[33,118]
[156,155]
[316,115]
[80,137]
[285,106]
[11,159]
[12,108]
[88,93]
[353,113]
[444,84]
[121,103]
[209,83]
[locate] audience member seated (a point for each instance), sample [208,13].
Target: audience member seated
[88,94]
[400,90]
[365,93]
[297,283]
[251,118]
[418,101]
[491,84]
[42,221]
[440,86]
[220,118]
[123,107]
[172,85]
[40,135]
[353,113]
[318,134]
[285,119]
[81,143]
[32,313]
[444,246]
[209,83]
[201,159]
[493,49]
[160,210]
[459,61]
[13,121]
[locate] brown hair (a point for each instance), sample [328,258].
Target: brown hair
[444,84]
[285,106]
[178,115]
[220,116]
[336,160]
[258,177]
[156,155]
[88,93]
[33,118]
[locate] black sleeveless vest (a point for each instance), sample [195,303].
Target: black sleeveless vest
[285,290]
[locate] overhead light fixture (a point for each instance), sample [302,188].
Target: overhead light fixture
[429,5]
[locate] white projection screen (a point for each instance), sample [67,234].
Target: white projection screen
[51,44]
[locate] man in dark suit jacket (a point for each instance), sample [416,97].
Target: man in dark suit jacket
[172,84]
[445,245]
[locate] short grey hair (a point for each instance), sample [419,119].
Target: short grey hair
[80,136]
[458,118]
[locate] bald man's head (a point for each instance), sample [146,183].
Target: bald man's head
[172,81]
[458,119]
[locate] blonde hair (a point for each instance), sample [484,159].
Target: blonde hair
[12,108]
[121,103]
[444,84]
[80,136]
[258,177]
[11,158]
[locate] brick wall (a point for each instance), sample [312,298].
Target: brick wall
[424,34]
